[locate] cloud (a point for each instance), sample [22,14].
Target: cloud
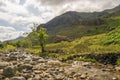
[16,14]
[13,7]
[57,7]
[54,2]
[61,6]
[2,4]
[78,2]
[8,33]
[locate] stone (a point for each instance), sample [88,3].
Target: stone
[25,66]
[9,71]
[3,64]
[37,77]
[27,75]
[35,58]
[1,71]
[77,75]
[33,62]
[59,77]
[17,78]
[54,63]
[12,57]
[14,62]
[86,63]
[37,72]
[117,68]
[30,79]
[83,76]
[41,60]
[28,59]
[33,67]
[7,79]
[114,78]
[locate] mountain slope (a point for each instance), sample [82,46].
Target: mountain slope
[113,37]
[75,24]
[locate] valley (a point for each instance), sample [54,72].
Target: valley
[71,46]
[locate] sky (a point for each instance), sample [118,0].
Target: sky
[17,16]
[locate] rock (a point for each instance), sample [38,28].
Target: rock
[114,78]
[9,71]
[83,76]
[24,66]
[3,64]
[41,60]
[77,75]
[1,72]
[14,62]
[105,70]
[117,68]
[54,62]
[30,79]
[7,79]
[33,62]
[28,59]
[12,58]
[59,77]
[86,63]
[17,78]
[27,75]
[35,58]
[37,77]
[32,67]
[37,72]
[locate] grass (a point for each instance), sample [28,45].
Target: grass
[97,44]
[112,37]
[33,50]
[88,44]
[8,48]
[118,62]
[84,59]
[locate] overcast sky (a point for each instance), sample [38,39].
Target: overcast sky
[16,16]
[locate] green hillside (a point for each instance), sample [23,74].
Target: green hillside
[102,43]
[98,44]
[112,37]
[76,24]
[92,35]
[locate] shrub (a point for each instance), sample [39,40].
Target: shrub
[9,47]
[23,43]
[112,37]
[118,61]
[1,45]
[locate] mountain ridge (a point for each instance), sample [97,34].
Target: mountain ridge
[77,24]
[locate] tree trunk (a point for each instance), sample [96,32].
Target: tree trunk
[42,49]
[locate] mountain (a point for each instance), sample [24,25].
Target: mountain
[77,24]
[18,38]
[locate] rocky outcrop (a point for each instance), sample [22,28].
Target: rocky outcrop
[25,66]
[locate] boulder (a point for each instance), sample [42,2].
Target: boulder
[117,68]
[3,64]
[25,66]
[17,78]
[9,71]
